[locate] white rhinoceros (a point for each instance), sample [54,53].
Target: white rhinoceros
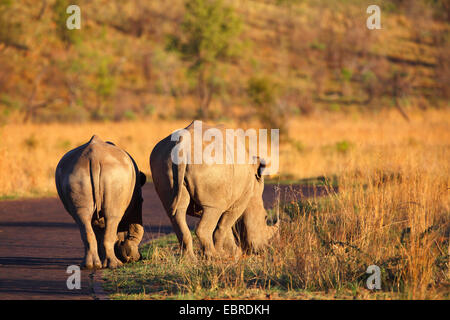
[100,186]
[222,195]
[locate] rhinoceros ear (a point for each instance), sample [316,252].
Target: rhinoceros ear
[259,166]
[143,178]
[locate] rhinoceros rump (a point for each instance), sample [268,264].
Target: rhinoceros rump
[100,186]
[221,194]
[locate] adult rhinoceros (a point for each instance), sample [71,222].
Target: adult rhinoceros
[100,186]
[220,194]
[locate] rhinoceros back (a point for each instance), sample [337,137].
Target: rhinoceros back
[79,178]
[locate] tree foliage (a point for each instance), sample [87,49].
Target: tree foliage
[210,31]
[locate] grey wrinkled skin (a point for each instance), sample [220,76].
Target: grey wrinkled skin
[222,195]
[99,185]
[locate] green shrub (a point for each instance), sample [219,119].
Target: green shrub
[343,146]
[346,74]
[31,142]
[129,115]
[149,110]
[262,91]
[10,29]
[60,18]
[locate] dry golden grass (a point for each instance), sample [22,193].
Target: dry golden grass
[30,152]
[338,144]
[398,221]
[325,145]
[391,209]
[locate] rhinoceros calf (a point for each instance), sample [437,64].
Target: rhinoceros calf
[100,186]
[220,194]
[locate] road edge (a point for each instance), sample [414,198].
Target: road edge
[98,293]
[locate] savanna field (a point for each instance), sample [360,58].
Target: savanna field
[390,208]
[363,114]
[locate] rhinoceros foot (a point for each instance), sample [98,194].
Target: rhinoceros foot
[112,263]
[91,261]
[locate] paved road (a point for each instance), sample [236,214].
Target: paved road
[39,240]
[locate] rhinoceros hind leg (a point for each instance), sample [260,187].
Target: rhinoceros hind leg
[109,239]
[91,259]
[180,225]
[223,235]
[205,229]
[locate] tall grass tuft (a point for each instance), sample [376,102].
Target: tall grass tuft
[398,222]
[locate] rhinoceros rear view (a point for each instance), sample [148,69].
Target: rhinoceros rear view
[221,194]
[100,186]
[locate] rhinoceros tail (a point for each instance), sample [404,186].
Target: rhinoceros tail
[95,171]
[179,172]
